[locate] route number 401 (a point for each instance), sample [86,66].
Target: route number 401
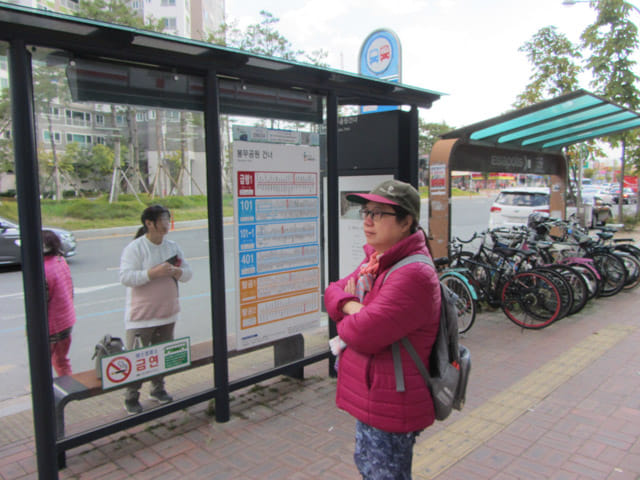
[247,259]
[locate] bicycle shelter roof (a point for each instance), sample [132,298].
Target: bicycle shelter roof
[551,125]
[527,141]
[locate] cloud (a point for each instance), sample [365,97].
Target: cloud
[466,48]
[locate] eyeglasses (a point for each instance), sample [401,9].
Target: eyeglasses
[375,214]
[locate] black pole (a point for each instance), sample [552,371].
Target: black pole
[333,206]
[24,144]
[412,174]
[216,246]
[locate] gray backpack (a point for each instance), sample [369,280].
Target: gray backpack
[449,362]
[107,346]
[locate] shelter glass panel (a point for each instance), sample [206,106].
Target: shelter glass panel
[113,139]
[118,155]
[13,343]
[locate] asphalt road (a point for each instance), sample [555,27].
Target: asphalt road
[99,297]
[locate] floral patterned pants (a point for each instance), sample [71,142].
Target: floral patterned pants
[381,455]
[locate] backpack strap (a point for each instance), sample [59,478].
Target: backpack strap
[395,347]
[416,258]
[397,366]
[397,363]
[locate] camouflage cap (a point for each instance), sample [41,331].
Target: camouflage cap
[392,192]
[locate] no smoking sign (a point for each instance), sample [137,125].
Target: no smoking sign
[118,369]
[140,363]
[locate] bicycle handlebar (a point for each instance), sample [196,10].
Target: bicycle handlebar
[475,235]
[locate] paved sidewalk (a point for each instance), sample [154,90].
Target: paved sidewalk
[560,403]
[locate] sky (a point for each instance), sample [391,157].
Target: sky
[466,49]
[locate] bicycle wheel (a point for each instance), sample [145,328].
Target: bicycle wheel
[629,248]
[465,304]
[564,289]
[458,260]
[577,284]
[474,267]
[531,300]
[591,278]
[632,267]
[612,271]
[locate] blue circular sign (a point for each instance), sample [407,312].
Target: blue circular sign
[380,56]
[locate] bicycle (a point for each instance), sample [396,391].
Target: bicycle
[458,283]
[529,298]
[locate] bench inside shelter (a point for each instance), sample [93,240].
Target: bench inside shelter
[86,384]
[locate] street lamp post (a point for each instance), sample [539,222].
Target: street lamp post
[573,2]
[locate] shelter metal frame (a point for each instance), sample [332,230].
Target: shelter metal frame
[24,28]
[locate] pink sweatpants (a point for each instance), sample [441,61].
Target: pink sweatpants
[59,359]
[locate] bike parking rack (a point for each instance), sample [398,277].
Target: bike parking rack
[530,140]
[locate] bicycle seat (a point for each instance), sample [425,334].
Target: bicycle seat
[441,261]
[510,252]
[605,235]
[541,244]
[584,240]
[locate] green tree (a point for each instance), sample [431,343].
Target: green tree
[52,164]
[612,39]
[6,145]
[633,153]
[263,38]
[428,135]
[49,90]
[555,68]
[116,11]
[119,12]
[91,165]
[555,62]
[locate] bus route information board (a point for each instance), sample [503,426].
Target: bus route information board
[277,208]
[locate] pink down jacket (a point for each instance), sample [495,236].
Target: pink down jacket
[408,304]
[60,310]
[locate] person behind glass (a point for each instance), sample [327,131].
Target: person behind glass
[61,313]
[371,313]
[150,268]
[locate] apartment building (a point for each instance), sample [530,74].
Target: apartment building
[195,19]
[158,131]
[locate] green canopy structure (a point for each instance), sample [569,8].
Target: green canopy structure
[553,124]
[527,141]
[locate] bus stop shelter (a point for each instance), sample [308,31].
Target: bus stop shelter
[113,63]
[526,141]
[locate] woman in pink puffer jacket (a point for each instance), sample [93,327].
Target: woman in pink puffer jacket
[370,316]
[61,313]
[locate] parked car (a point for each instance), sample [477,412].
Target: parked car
[10,242]
[628,196]
[514,205]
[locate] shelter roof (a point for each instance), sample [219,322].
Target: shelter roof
[552,124]
[93,39]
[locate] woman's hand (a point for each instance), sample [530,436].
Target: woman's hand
[352,307]
[164,269]
[177,273]
[350,287]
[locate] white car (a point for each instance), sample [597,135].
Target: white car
[514,205]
